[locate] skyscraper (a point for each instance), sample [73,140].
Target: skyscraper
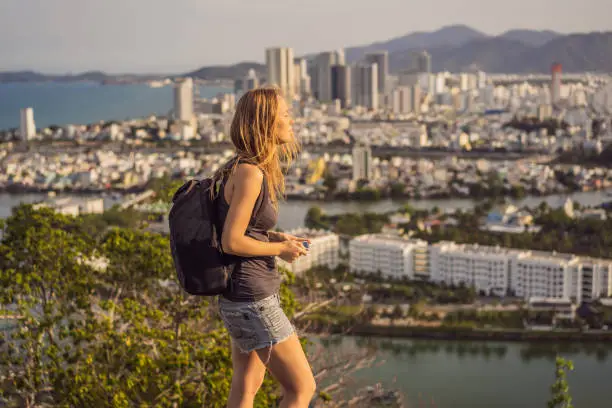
[365,85]
[362,162]
[341,84]
[401,100]
[415,98]
[406,99]
[380,58]
[279,62]
[324,62]
[555,84]
[301,77]
[251,81]
[27,128]
[420,62]
[183,99]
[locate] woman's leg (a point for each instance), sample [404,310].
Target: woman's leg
[249,373]
[288,364]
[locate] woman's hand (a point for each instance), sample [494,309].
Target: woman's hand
[291,250]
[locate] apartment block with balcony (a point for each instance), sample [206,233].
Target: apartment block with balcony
[542,274]
[392,256]
[323,251]
[485,268]
[591,279]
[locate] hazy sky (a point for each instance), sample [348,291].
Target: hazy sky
[58,36]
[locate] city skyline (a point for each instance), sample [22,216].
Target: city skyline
[69,36]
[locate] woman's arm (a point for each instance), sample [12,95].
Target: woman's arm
[276,236]
[247,181]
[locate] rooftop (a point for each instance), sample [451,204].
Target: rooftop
[388,238]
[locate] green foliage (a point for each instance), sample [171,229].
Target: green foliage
[330,182]
[101,323]
[165,187]
[559,233]
[561,397]
[314,218]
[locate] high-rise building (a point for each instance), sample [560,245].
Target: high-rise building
[251,81]
[279,62]
[27,128]
[555,85]
[341,84]
[415,98]
[380,58]
[482,79]
[239,86]
[183,99]
[365,85]
[362,162]
[301,77]
[324,63]
[420,62]
[400,100]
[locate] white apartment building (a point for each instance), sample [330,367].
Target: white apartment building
[394,257]
[485,268]
[591,279]
[323,251]
[542,274]
[74,206]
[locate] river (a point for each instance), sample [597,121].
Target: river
[292,213]
[457,374]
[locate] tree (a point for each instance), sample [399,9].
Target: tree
[397,312]
[101,322]
[314,217]
[561,397]
[330,182]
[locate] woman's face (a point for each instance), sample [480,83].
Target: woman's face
[285,123]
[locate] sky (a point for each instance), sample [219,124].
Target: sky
[175,36]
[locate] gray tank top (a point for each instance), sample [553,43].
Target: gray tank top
[253,278]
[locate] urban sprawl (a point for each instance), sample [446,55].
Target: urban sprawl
[369,133]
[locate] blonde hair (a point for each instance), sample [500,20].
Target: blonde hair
[254,133]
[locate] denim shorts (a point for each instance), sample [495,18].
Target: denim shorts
[255,325]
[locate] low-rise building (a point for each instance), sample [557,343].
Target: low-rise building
[323,251]
[75,206]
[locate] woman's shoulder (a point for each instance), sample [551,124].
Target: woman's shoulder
[249,172]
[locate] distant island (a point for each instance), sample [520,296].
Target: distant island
[456,48]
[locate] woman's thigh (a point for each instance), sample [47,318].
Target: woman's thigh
[289,365]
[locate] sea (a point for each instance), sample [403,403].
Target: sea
[86,102]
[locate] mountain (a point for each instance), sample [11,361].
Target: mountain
[94,76]
[212,72]
[531,37]
[228,71]
[482,54]
[455,35]
[576,52]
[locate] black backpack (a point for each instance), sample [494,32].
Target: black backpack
[195,240]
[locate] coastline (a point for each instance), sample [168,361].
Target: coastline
[23,190]
[460,333]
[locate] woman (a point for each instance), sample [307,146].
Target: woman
[250,186]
